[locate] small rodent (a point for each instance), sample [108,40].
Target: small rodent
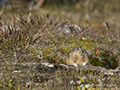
[78,56]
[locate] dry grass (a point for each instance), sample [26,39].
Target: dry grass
[27,40]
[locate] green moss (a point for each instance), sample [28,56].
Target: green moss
[52,56]
[73,44]
[64,50]
[113,62]
[54,59]
[47,51]
[32,50]
[87,44]
[109,58]
[96,62]
[104,58]
[104,54]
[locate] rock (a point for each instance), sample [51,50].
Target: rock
[69,29]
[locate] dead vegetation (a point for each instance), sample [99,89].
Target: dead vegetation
[28,40]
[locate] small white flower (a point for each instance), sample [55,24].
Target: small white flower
[72,82]
[87,86]
[83,77]
[103,79]
[99,80]
[110,73]
[50,80]
[81,85]
[79,82]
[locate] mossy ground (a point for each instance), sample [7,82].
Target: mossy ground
[48,46]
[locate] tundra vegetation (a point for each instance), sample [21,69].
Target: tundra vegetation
[29,38]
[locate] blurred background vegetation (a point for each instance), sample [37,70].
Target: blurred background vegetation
[82,12]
